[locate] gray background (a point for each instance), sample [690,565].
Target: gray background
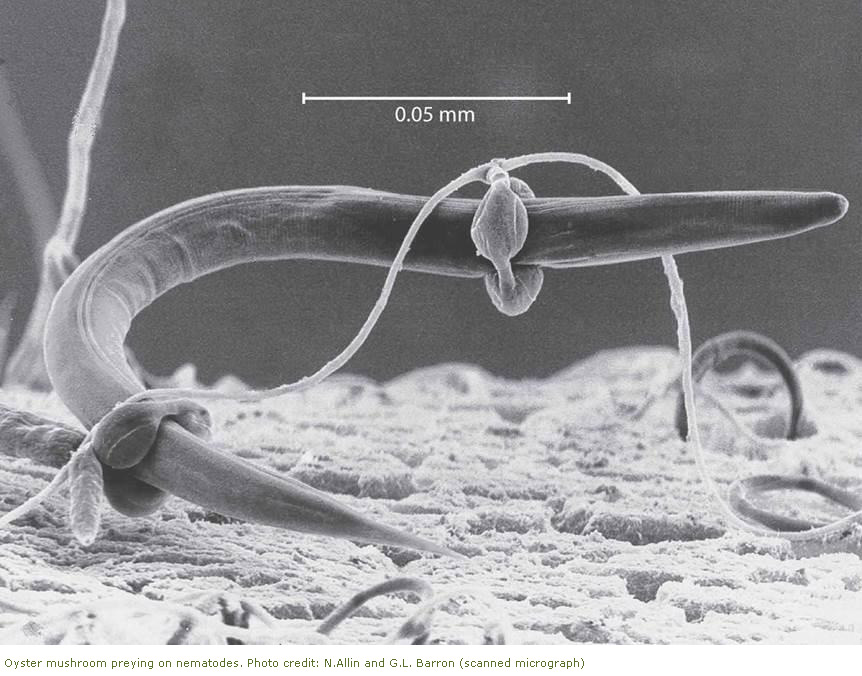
[678,96]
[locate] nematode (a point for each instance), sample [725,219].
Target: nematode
[94,309]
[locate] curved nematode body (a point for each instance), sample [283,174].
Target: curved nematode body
[93,311]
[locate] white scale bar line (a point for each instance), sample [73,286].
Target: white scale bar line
[306,98]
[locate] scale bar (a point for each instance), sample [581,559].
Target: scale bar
[567,98]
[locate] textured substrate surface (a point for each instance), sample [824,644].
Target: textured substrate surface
[582,520]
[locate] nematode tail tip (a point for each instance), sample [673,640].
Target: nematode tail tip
[803,211]
[834,207]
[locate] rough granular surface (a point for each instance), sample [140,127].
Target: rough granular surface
[579,509]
